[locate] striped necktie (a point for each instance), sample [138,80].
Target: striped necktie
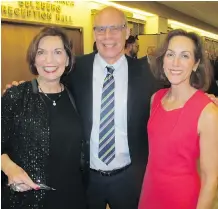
[106,151]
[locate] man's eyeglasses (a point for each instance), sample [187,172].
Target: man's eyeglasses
[114,29]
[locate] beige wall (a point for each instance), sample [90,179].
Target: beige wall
[163,11]
[80,15]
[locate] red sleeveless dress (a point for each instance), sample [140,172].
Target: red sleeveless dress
[171,180]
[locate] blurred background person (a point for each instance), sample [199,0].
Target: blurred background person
[213,89]
[132,46]
[41,131]
[150,57]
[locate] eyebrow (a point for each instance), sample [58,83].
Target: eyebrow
[124,24]
[54,49]
[182,51]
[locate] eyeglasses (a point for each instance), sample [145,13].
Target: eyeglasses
[114,29]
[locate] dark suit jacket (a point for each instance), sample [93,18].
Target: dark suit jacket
[144,61]
[141,86]
[213,88]
[216,69]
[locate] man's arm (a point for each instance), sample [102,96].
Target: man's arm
[14,83]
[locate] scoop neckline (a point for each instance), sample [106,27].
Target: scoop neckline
[53,93]
[179,108]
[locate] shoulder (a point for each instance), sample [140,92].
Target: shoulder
[210,112]
[82,62]
[13,97]
[209,116]
[17,91]
[84,58]
[201,101]
[157,96]
[161,92]
[139,68]
[143,60]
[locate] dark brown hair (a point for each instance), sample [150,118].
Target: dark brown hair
[33,47]
[201,78]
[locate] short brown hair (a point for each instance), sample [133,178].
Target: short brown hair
[201,78]
[33,47]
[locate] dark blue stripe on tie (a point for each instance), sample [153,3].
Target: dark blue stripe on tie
[107,100]
[113,150]
[107,128]
[107,147]
[106,138]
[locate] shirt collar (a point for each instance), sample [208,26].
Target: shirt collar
[104,64]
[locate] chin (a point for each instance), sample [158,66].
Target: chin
[110,52]
[177,82]
[52,77]
[110,56]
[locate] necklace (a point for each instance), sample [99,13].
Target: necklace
[54,102]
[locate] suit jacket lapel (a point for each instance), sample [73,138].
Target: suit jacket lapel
[88,87]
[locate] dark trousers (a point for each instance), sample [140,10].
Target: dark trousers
[118,191]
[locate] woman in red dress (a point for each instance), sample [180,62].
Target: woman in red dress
[182,129]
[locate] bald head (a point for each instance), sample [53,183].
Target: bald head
[108,13]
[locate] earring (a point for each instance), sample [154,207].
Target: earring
[194,70]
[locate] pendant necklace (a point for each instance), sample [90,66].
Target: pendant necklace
[54,101]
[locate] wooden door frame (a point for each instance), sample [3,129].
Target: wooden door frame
[24,22]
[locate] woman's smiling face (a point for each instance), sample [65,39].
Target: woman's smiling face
[179,60]
[51,58]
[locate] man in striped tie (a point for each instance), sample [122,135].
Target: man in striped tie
[112,92]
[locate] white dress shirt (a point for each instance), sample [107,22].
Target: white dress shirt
[122,156]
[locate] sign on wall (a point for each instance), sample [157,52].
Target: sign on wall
[54,12]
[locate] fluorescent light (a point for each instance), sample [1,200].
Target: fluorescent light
[137,11]
[174,24]
[139,16]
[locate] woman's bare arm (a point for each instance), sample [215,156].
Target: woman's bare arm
[208,130]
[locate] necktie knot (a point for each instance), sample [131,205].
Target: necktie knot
[110,70]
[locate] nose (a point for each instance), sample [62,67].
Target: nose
[107,33]
[49,57]
[176,61]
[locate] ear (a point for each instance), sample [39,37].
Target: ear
[196,65]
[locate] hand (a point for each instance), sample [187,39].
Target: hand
[16,175]
[213,98]
[14,83]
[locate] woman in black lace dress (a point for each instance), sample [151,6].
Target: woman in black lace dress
[41,132]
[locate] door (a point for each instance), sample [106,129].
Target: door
[15,39]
